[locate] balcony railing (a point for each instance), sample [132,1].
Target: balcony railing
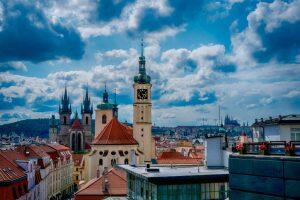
[270,148]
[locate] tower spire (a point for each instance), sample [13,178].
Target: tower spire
[142,77]
[142,47]
[105,95]
[86,105]
[115,95]
[115,105]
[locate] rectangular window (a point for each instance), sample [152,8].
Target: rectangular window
[295,134]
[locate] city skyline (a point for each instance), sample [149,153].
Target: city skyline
[241,55]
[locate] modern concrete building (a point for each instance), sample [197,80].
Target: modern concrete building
[264,177]
[281,128]
[175,182]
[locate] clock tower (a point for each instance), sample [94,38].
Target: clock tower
[142,109]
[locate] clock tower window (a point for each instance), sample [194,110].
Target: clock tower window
[104,119]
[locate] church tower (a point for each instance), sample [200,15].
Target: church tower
[53,130]
[105,112]
[86,113]
[65,112]
[142,109]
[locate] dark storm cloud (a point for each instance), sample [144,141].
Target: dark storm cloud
[151,20]
[28,35]
[110,9]
[282,43]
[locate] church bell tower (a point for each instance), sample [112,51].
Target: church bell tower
[142,109]
[87,113]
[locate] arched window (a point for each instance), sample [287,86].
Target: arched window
[100,162]
[113,162]
[73,142]
[86,120]
[79,142]
[126,161]
[104,119]
[65,120]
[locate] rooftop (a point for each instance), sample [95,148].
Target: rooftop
[116,186]
[9,171]
[177,173]
[286,119]
[115,133]
[173,157]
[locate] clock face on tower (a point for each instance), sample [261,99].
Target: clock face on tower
[142,93]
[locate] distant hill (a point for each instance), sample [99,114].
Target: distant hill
[31,127]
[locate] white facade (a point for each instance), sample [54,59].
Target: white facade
[97,159]
[213,152]
[278,132]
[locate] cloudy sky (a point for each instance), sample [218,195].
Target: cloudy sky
[243,55]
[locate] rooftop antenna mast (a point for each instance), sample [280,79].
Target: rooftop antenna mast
[219,115]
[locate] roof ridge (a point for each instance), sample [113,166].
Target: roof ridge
[114,172]
[92,182]
[101,133]
[125,130]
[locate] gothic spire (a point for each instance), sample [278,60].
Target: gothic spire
[86,105]
[65,107]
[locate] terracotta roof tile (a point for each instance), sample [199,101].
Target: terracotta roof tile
[173,157]
[9,171]
[77,124]
[77,159]
[32,151]
[59,147]
[115,133]
[117,186]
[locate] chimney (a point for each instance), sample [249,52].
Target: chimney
[262,119]
[256,120]
[98,173]
[132,158]
[280,116]
[270,118]
[105,180]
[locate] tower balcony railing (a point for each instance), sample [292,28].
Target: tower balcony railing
[280,148]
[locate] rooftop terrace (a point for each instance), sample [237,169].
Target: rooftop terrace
[163,173]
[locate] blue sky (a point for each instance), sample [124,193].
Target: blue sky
[241,55]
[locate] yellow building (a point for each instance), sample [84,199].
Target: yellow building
[78,170]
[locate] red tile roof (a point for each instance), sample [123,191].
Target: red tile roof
[173,157]
[117,186]
[115,133]
[13,155]
[59,147]
[77,159]
[32,151]
[77,124]
[9,171]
